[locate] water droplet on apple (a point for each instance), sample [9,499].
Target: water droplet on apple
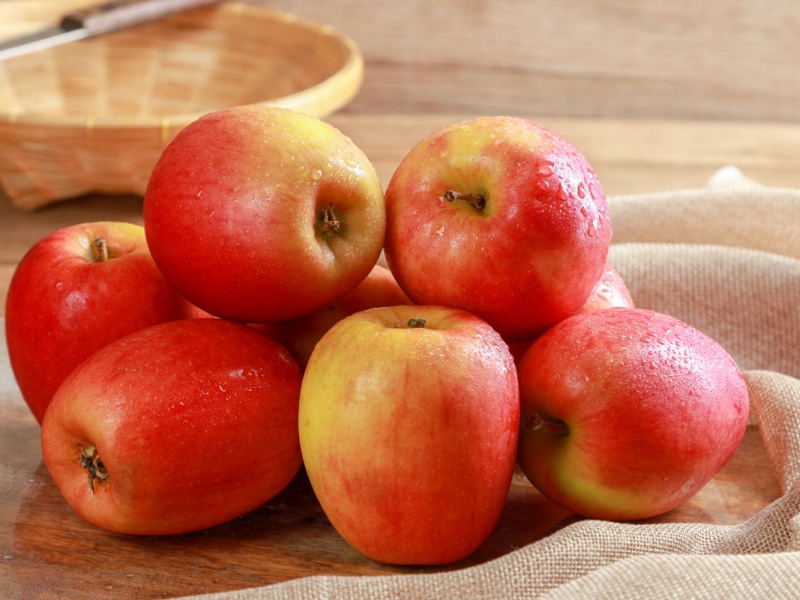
[581,190]
[316,175]
[584,211]
[545,169]
[350,163]
[561,193]
[544,185]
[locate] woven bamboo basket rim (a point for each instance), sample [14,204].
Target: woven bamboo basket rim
[95,115]
[320,99]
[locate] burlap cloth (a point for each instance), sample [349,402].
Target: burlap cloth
[725,259]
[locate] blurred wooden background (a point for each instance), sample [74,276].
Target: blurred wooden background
[682,59]
[646,59]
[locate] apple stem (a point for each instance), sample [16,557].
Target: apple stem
[100,250]
[329,220]
[416,323]
[537,423]
[476,201]
[94,466]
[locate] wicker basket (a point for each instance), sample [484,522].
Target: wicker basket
[95,115]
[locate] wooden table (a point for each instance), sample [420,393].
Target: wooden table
[46,551]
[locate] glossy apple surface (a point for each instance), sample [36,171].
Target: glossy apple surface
[408,428]
[610,291]
[301,335]
[501,217]
[175,428]
[259,213]
[75,291]
[627,413]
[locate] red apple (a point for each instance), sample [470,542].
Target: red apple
[258,213]
[408,429]
[75,291]
[610,291]
[627,413]
[501,217]
[175,428]
[301,335]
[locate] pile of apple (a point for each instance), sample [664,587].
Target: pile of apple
[184,371]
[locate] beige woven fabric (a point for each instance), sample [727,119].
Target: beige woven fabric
[726,260]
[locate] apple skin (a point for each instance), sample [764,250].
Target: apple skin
[610,291]
[526,237]
[627,413]
[409,435]
[195,422]
[237,213]
[65,301]
[300,335]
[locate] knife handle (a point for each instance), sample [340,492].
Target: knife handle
[125,13]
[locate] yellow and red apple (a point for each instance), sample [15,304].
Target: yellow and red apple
[626,413]
[499,216]
[408,429]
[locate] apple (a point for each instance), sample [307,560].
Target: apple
[300,335]
[75,291]
[408,429]
[626,413]
[175,428]
[501,217]
[610,291]
[259,213]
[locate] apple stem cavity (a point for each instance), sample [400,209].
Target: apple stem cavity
[416,323]
[99,250]
[94,466]
[476,201]
[329,223]
[536,423]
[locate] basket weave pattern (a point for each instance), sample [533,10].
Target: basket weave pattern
[95,115]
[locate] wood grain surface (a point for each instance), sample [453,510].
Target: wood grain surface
[681,59]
